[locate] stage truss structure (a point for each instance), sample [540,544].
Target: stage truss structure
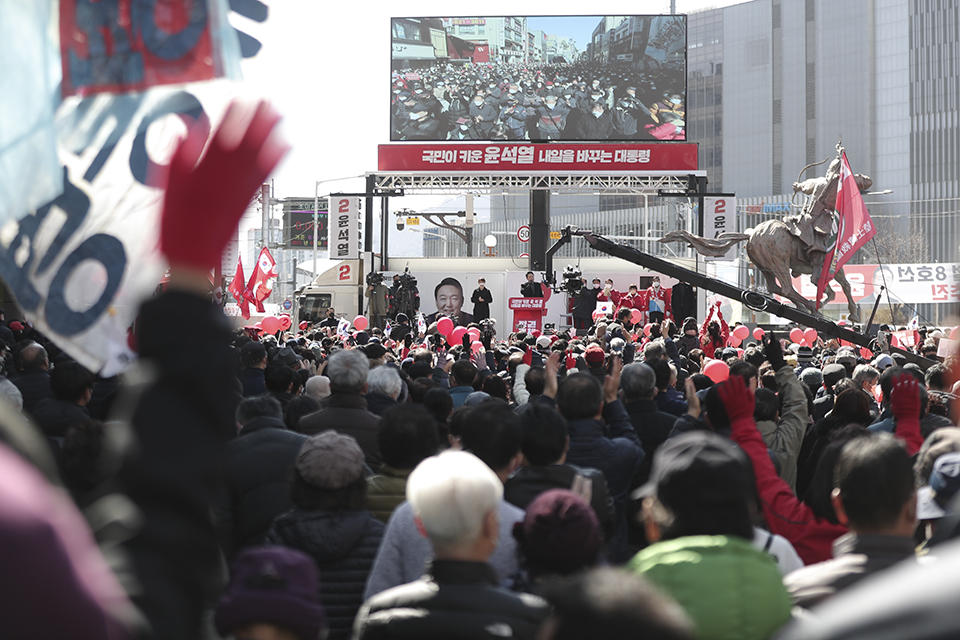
[398,183]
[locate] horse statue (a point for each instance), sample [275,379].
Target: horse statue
[794,246]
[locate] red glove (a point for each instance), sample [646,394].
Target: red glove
[204,200]
[527,355]
[737,399]
[905,403]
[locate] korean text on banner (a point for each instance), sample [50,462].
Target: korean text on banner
[720,216]
[344,228]
[855,226]
[130,45]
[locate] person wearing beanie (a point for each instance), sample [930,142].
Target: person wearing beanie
[813,378]
[272,595]
[823,403]
[558,536]
[689,340]
[330,523]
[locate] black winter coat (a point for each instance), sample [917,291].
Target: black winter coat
[344,545]
[34,386]
[529,482]
[257,483]
[653,427]
[347,414]
[455,599]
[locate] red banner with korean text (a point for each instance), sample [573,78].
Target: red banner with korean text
[906,283]
[455,157]
[855,226]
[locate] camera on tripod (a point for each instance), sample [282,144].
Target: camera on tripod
[572,279]
[489,327]
[374,278]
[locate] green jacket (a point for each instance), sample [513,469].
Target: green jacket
[385,491]
[379,300]
[730,590]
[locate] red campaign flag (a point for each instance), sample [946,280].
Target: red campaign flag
[262,279]
[237,289]
[855,227]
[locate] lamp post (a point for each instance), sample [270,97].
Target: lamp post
[490,241]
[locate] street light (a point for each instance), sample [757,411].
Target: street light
[490,241]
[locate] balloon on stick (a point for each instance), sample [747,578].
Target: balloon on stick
[717,370]
[796,335]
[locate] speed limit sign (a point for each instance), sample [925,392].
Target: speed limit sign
[523,234]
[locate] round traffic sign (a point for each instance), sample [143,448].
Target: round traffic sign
[523,234]
[287,305]
[524,255]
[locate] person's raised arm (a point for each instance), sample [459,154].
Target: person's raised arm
[905,403]
[184,415]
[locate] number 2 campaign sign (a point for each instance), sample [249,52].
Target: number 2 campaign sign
[344,228]
[720,217]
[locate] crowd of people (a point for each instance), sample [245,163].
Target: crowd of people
[633,481]
[566,101]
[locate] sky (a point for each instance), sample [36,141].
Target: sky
[326,68]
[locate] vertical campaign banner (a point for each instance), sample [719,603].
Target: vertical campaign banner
[720,216]
[343,239]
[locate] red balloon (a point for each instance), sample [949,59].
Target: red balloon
[954,333]
[285,323]
[444,326]
[476,345]
[742,331]
[796,335]
[810,335]
[716,370]
[456,336]
[735,341]
[646,330]
[270,324]
[758,333]
[304,325]
[474,334]
[636,316]
[361,323]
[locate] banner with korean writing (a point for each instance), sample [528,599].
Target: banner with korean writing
[908,283]
[527,157]
[80,265]
[130,45]
[344,228]
[720,216]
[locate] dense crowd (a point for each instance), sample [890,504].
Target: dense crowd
[568,101]
[619,482]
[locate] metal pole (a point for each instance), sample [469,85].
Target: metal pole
[316,226]
[384,231]
[468,201]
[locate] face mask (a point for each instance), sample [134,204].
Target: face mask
[551,105]
[624,104]
[674,102]
[597,114]
[478,102]
[464,127]
[415,116]
[656,285]
[513,90]
[397,92]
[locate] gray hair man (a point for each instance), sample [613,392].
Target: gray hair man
[455,498]
[638,385]
[383,389]
[346,408]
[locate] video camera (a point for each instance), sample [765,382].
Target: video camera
[572,279]
[407,279]
[374,278]
[489,327]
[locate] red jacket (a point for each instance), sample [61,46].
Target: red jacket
[632,302]
[706,343]
[786,515]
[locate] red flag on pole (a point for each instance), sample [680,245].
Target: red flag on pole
[237,288]
[262,279]
[855,227]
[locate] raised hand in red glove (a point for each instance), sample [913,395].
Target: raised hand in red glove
[204,200]
[737,399]
[905,404]
[527,355]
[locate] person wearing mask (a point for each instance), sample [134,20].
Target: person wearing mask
[484,115]
[481,300]
[658,302]
[551,118]
[421,124]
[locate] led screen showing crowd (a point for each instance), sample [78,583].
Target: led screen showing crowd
[591,78]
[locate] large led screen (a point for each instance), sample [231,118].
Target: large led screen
[541,78]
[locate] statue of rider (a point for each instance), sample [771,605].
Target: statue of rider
[814,225]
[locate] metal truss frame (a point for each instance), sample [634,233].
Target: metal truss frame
[443,183]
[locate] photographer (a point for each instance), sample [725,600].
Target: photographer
[406,298]
[379,297]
